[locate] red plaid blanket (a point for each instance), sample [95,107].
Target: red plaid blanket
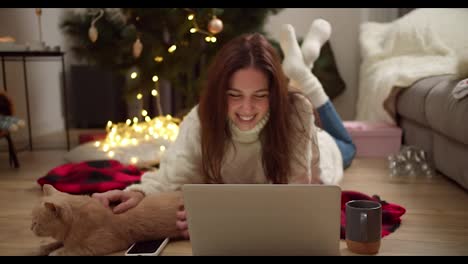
[91,176]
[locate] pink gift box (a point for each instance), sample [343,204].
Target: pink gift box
[374,139]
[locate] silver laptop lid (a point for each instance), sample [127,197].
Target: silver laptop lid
[263,219]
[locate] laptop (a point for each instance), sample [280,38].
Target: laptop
[263,219]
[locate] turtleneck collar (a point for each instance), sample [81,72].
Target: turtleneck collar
[248,136]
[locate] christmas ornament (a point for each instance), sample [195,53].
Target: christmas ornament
[410,161]
[92,31]
[137,48]
[215,25]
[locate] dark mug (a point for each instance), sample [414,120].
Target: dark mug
[363,226]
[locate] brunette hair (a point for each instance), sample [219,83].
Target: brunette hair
[248,50]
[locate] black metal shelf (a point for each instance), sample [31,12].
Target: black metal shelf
[10,55]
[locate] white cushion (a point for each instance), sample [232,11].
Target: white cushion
[148,153]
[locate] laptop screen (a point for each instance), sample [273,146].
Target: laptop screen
[263,219]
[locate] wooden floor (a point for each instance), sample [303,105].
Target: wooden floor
[436,221]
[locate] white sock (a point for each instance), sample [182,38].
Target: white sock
[293,63]
[313,89]
[295,68]
[319,32]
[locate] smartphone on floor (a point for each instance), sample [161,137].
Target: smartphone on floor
[147,248]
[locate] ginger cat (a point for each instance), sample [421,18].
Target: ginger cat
[83,226]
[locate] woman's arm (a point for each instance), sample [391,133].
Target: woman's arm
[179,165]
[305,158]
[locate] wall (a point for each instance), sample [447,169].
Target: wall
[44,77]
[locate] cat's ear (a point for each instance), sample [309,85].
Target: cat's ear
[48,189]
[54,208]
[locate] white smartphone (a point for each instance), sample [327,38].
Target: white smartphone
[147,248]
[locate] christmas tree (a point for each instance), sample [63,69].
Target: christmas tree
[154,44]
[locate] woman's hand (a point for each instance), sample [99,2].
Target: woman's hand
[181,222]
[125,199]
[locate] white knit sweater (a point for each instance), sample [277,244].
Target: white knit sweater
[181,164]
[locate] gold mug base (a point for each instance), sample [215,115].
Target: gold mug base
[367,248]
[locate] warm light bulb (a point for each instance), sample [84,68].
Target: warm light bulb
[191,17]
[139,96]
[193,30]
[155,78]
[130,134]
[154,92]
[158,58]
[109,123]
[207,39]
[213,39]
[133,75]
[172,48]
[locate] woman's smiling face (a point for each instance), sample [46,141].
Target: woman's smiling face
[248,98]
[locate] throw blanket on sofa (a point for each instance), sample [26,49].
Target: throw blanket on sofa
[425,42]
[104,175]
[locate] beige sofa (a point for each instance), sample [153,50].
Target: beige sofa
[432,119]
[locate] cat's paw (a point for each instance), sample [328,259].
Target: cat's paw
[45,250]
[59,252]
[71,252]
[62,252]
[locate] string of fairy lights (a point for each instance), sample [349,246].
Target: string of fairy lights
[138,130]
